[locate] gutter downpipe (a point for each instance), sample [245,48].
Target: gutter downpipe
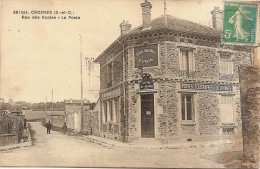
[124,95]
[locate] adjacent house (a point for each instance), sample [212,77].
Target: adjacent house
[73,112]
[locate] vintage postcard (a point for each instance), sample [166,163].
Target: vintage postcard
[129,83]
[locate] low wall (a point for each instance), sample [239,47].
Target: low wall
[8,139]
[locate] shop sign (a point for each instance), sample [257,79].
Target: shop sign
[146,56]
[239,23]
[253,91]
[146,82]
[211,87]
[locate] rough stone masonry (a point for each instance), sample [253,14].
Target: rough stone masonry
[250,99]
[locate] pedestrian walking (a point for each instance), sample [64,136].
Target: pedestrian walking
[64,128]
[25,134]
[48,126]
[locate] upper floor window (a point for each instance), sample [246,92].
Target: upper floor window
[226,64]
[110,74]
[187,62]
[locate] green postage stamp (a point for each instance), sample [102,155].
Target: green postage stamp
[239,23]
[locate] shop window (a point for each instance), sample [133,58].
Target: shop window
[187,107]
[226,65]
[227,109]
[110,110]
[110,74]
[187,62]
[117,110]
[105,111]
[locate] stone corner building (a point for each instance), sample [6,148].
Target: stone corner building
[171,80]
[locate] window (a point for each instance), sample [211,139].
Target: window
[110,74]
[105,111]
[117,110]
[187,107]
[226,65]
[227,110]
[187,62]
[110,110]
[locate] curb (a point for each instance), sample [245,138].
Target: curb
[16,146]
[165,146]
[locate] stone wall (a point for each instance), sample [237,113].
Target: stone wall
[208,114]
[168,119]
[250,99]
[117,70]
[6,124]
[206,63]
[8,139]
[91,121]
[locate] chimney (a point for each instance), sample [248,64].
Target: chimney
[146,12]
[125,27]
[217,16]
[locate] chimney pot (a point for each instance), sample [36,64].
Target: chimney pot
[125,27]
[217,16]
[146,14]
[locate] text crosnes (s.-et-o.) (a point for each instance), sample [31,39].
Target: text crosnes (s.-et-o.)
[46,14]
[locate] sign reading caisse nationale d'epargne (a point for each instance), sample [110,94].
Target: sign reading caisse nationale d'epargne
[239,23]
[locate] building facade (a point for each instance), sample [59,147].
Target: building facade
[73,113]
[170,79]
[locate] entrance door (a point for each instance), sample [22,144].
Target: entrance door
[147,115]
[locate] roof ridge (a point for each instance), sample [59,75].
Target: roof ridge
[185,20]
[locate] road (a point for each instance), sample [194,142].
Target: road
[57,149]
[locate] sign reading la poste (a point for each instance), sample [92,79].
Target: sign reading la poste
[239,23]
[146,56]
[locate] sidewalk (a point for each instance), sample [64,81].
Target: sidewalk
[113,144]
[16,146]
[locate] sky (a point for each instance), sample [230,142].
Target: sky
[38,55]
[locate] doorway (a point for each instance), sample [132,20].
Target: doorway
[147,115]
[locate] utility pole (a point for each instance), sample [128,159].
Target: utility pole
[45,109]
[81,84]
[52,106]
[46,106]
[89,67]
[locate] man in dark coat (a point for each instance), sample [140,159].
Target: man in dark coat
[64,128]
[48,126]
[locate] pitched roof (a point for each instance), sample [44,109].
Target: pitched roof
[180,25]
[173,23]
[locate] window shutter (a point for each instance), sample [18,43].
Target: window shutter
[184,61]
[227,109]
[191,61]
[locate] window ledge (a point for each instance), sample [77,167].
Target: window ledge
[228,125]
[187,123]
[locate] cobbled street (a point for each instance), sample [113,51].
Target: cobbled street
[57,149]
